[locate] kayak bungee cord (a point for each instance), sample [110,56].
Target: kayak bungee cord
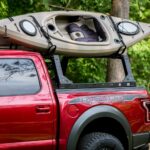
[52,47]
[122,49]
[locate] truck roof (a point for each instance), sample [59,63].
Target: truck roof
[17,52]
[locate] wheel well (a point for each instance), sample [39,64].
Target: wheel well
[107,125]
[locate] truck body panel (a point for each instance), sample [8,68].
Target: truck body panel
[46,119]
[28,121]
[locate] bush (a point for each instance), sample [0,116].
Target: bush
[3,9]
[140,62]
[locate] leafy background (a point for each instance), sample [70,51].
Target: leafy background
[93,70]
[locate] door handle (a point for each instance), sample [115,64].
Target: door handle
[43,109]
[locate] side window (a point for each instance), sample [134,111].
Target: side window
[18,77]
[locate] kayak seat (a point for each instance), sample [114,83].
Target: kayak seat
[99,30]
[81,33]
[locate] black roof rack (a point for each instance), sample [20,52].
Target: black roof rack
[63,82]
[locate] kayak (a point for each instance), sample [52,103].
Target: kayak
[73,33]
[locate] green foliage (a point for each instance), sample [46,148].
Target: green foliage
[140,62]
[96,5]
[140,53]
[140,10]
[25,6]
[87,70]
[3,8]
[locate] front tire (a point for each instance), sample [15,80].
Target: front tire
[99,141]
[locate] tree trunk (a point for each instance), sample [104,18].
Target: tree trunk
[120,8]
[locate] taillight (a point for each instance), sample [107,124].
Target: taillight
[146,104]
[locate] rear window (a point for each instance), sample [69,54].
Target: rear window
[18,77]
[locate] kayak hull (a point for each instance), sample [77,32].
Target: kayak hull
[89,34]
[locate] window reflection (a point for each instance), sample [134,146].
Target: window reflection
[17,77]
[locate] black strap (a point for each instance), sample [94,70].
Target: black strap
[122,49]
[5,35]
[52,47]
[11,19]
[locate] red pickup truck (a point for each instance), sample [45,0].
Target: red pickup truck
[42,110]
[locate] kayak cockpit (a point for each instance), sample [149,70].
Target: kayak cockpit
[81,28]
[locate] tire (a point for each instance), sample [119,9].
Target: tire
[99,141]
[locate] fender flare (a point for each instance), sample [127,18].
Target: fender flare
[96,113]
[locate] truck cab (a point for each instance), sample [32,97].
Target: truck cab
[43,109]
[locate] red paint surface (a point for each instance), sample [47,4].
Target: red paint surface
[19,119]
[21,127]
[132,110]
